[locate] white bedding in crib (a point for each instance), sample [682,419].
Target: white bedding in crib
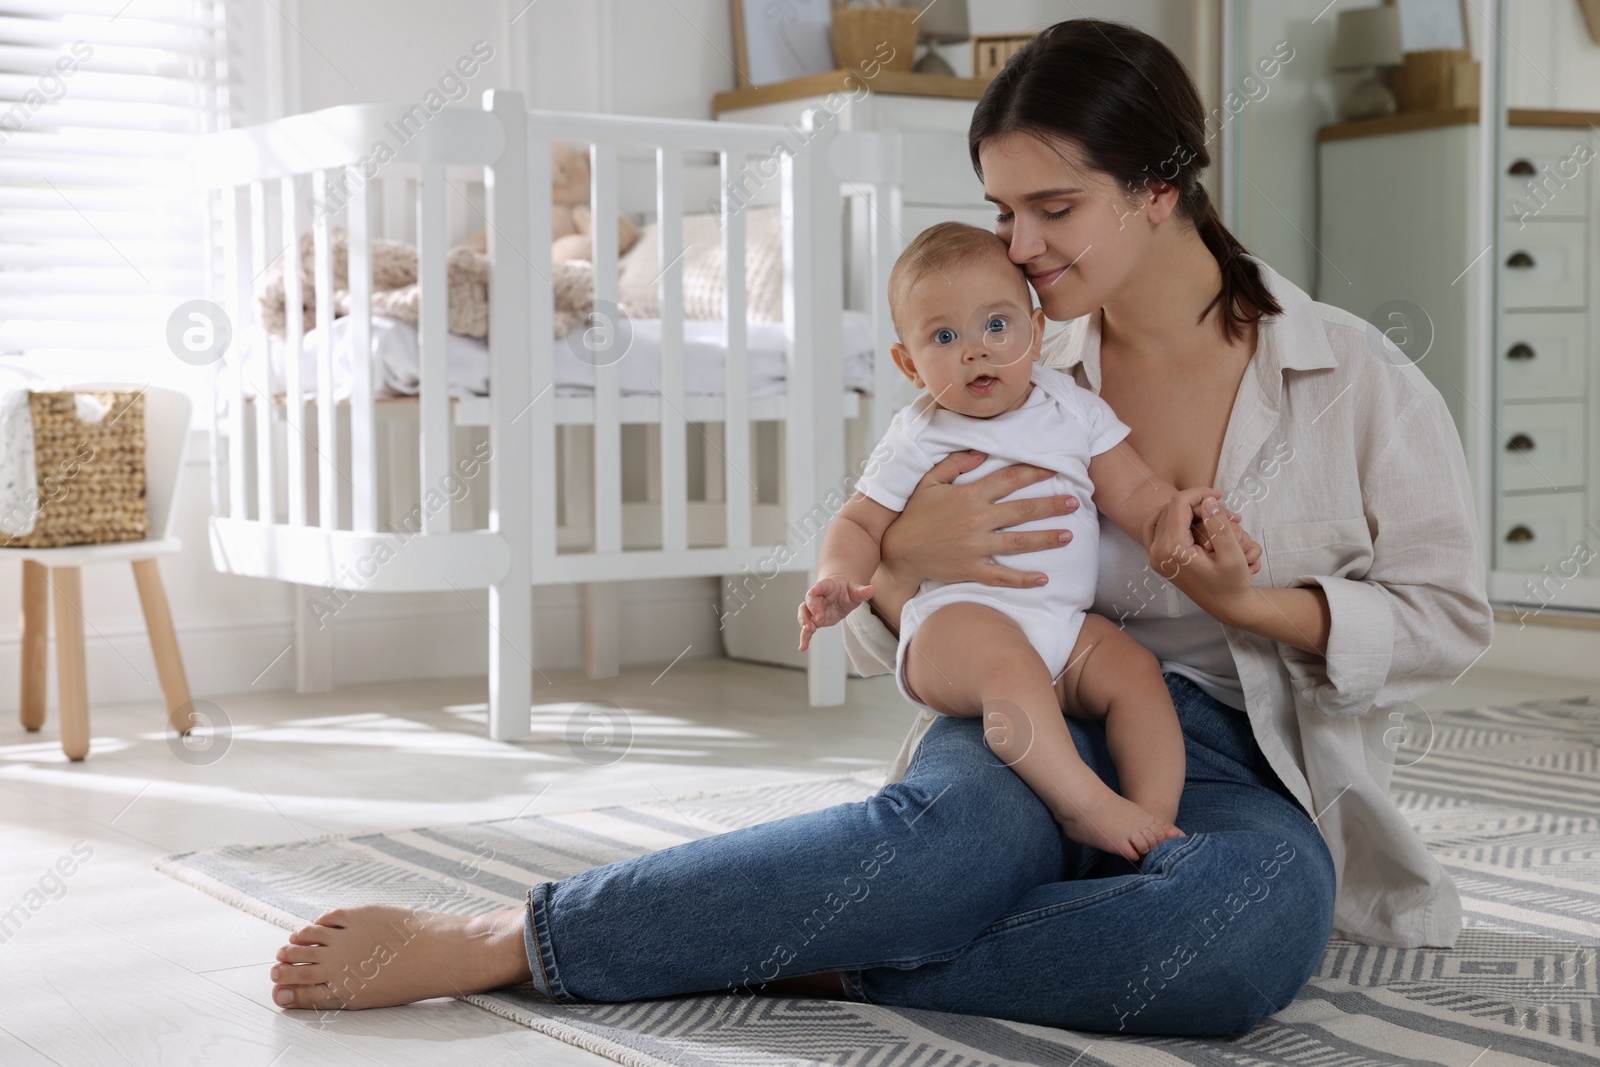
[395,355]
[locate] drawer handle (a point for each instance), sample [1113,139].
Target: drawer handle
[1520,443]
[1520,351]
[1521,169]
[1520,260]
[1519,535]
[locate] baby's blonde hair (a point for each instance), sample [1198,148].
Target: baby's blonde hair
[952,244]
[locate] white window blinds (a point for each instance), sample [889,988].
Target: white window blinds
[100,234]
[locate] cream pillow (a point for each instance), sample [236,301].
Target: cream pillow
[703,268]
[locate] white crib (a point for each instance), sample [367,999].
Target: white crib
[316,492]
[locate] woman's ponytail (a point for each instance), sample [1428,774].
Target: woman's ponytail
[1244,295]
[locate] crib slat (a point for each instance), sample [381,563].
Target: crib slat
[294,401]
[888,383]
[264,407]
[363,449]
[674,458]
[736,395]
[235,267]
[604,351]
[541,356]
[433,324]
[327,410]
[800,307]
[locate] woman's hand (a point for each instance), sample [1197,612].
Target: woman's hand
[948,532]
[1213,571]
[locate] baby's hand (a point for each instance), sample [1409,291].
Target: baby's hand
[1252,550]
[830,600]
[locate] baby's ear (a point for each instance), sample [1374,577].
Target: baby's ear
[1037,316]
[902,359]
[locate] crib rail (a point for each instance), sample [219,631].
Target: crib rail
[272,184]
[813,303]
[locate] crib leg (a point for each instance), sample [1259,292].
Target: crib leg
[511,656]
[825,668]
[602,625]
[313,644]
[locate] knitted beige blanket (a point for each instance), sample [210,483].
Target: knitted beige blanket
[396,294]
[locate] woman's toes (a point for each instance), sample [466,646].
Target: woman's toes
[300,954]
[298,974]
[310,935]
[304,996]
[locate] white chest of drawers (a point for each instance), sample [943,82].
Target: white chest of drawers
[1397,218]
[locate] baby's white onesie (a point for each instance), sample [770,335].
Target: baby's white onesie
[1059,426]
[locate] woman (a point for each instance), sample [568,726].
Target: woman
[1347,467]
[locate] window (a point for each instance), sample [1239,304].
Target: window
[101,236]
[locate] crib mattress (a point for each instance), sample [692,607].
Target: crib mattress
[395,360]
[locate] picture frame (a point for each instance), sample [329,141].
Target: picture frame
[777,40]
[1429,25]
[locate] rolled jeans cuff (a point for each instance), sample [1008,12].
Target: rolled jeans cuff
[536,941]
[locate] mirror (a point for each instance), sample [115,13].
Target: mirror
[1471,245]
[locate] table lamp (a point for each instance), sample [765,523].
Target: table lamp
[941,22]
[1368,38]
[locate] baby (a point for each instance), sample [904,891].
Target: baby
[970,338]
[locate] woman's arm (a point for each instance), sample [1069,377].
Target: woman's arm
[1392,625]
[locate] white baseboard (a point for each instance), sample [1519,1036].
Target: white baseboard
[1547,644]
[659,619]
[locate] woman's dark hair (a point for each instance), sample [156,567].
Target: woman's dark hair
[1131,107]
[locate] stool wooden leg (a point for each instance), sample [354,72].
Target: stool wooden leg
[72,669]
[35,643]
[164,643]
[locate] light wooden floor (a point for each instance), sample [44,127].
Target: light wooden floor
[129,966]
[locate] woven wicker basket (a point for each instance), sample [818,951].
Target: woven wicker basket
[91,481]
[859,33]
[1423,82]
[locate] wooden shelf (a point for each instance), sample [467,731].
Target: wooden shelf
[849,81]
[1405,121]
[1530,117]
[1402,122]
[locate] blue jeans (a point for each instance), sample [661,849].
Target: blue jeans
[955,890]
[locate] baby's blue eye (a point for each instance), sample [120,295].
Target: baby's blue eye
[997,319]
[944,335]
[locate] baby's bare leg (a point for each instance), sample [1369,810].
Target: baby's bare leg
[1111,676]
[968,660]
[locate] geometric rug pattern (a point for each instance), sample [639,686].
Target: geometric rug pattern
[1508,798]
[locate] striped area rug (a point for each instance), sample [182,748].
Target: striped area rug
[1507,798]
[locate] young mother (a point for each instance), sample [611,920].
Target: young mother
[953,888]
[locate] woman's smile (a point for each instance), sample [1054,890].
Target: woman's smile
[1041,280]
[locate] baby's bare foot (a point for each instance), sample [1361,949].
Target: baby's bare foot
[375,956]
[1104,819]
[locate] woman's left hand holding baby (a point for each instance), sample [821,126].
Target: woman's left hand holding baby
[1214,571]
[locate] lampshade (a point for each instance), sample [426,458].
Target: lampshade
[1368,37]
[941,21]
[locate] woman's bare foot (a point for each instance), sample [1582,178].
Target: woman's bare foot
[1098,816]
[374,956]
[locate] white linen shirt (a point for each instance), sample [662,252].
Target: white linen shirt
[1343,461]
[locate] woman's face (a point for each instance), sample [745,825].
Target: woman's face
[1081,241]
